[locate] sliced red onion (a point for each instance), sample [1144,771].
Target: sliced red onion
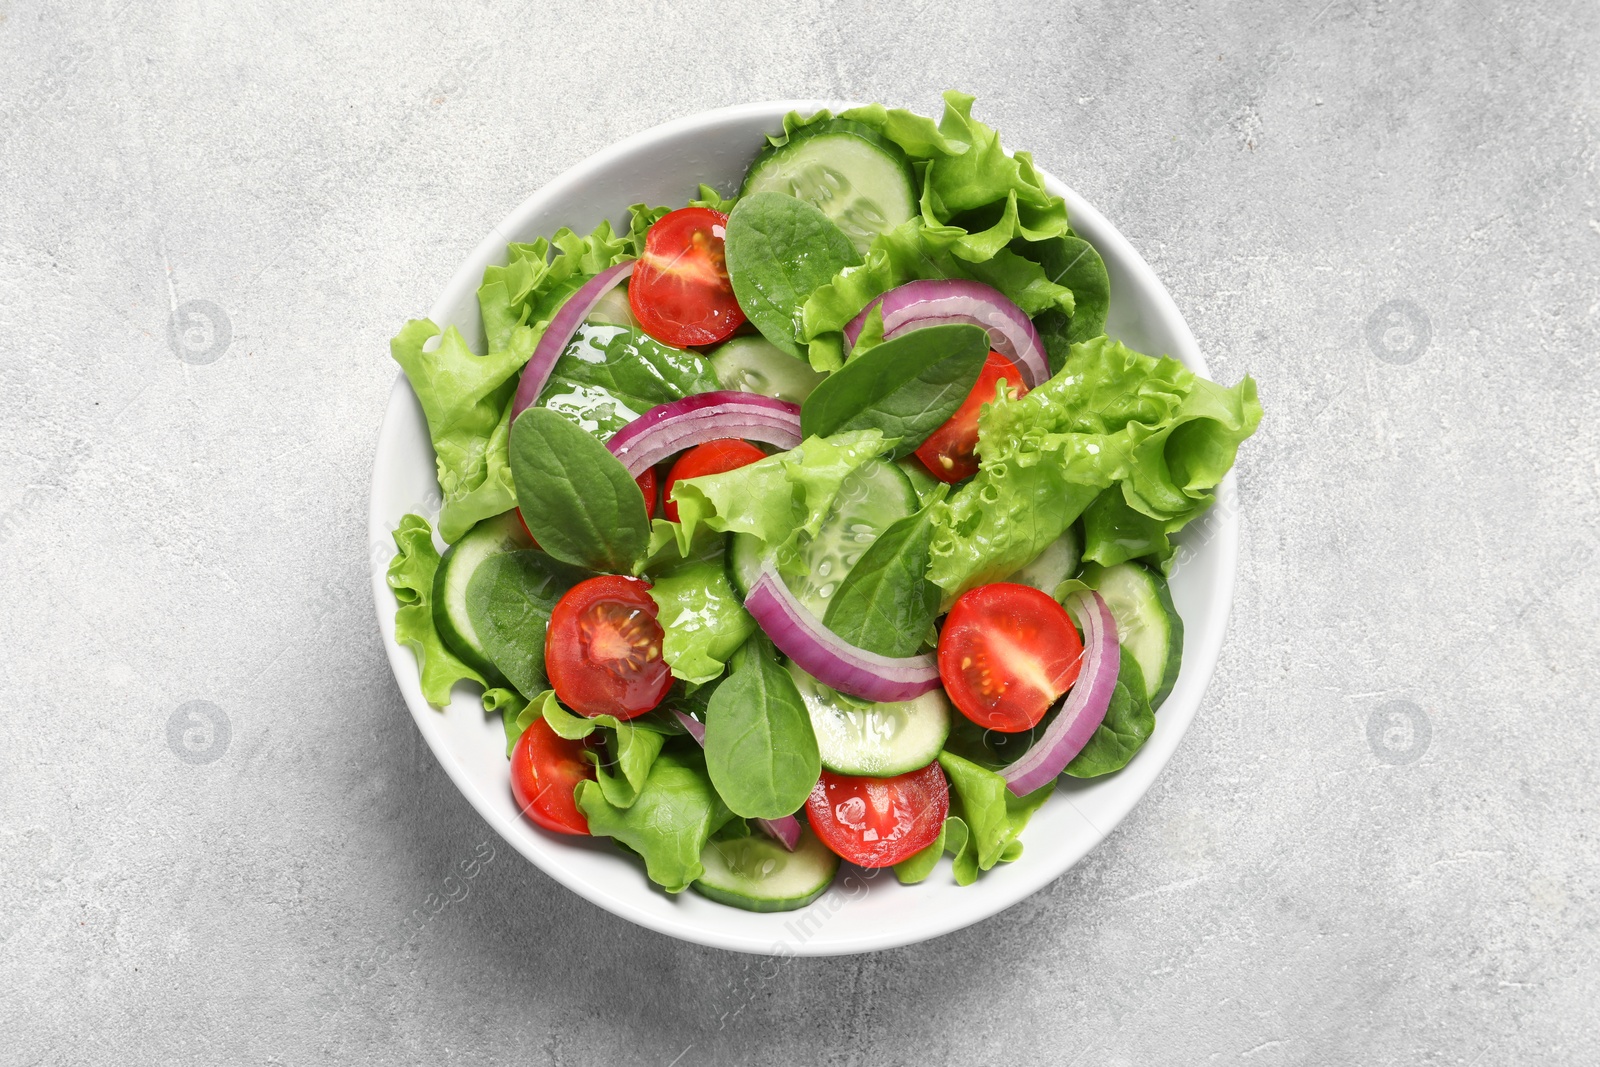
[566,322]
[785,831]
[1086,703]
[829,658]
[694,420]
[936,302]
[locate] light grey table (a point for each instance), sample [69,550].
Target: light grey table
[1376,846]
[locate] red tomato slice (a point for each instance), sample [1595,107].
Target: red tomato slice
[1006,653]
[949,452]
[713,457]
[877,822]
[602,648]
[647,486]
[545,769]
[680,291]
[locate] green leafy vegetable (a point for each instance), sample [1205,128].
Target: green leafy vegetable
[906,388]
[701,615]
[907,253]
[509,600]
[1071,261]
[760,749]
[516,713]
[532,286]
[886,603]
[994,817]
[411,577]
[669,821]
[632,745]
[921,864]
[1128,724]
[779,250]
[464,397]
[1114,532]
[577,498]
[609,375]
[774,496]
[1110,416]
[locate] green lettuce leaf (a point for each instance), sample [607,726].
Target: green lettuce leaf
[411,577]
[701,615]
[532,286]
[466,399]
[994,816]
[775,496]
[1110,416]
[670,820]
[609,375]
[631,746]
[516,713]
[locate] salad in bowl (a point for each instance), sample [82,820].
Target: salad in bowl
[814,520]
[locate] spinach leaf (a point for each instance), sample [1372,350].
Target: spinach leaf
[760,749]
[1128,724]
[886,603]
[779,250]
[609,375]
[906,387]
[668,824]
[509,600]
[577,498]
[1073,262]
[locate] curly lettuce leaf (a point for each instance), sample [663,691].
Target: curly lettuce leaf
[465,398]
[775,496]
[909,252]
[1111,416]
[631,746]
[701,616]
[411,577]
[529,289]
[670,820]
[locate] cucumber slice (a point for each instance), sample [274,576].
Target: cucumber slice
[502,533]
[758,874]
[745,557]
[855,176]
[753,364]
[870,499]
[1058,562]
[878,740]
[1148,626]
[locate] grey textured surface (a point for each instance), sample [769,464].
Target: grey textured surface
[1377,844]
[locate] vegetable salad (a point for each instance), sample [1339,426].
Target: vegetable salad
[821,521]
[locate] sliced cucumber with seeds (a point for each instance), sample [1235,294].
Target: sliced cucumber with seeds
[746,554]
[853,174]
[1058,562]
[503,533]
[758,874]
[870,499]
[878,740]
[753,364]
[1148,626]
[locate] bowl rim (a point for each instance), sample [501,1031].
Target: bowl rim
[1046,867]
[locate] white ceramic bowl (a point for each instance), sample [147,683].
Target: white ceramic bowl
[864,910]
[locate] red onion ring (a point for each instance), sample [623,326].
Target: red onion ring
[785,831]
[829,658]
[935,302]
[1085,708]
[536,372]
[672,427]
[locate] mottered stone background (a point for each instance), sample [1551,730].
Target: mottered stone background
[221,839]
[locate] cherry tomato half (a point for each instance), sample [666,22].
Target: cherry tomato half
[1006,653]
[602,648]
[713,457]
[545,769]
[647,486]
[680,291]
[950,451]
[877,822]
